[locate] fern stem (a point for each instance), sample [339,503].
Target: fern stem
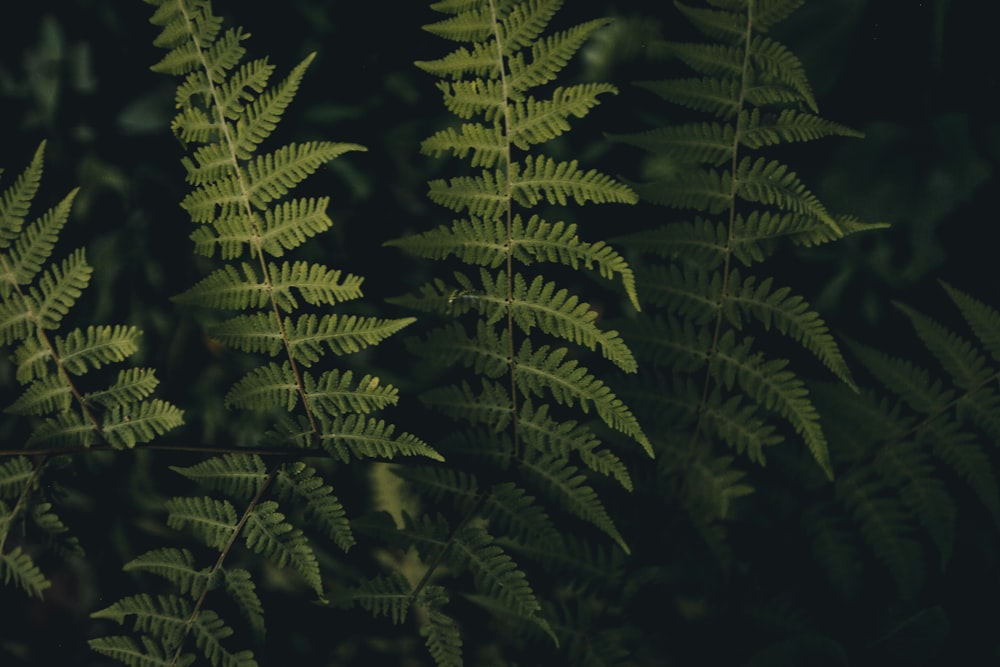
[509,248]
[60,366]
[223,554]
[227,136]
[22,499]
[727,254]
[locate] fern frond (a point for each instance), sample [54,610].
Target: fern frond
[232,288]
[33,245]
[212,521]
[570,384]
[15,473]
[385,596]
[15,202]
[514,352]
[497,574]
[359,437]
[791,315]
[151,654]
[567,485]
[300,485]
[268,534]
[549,55]
[556,182]
[553,438]
[169,618]
[778,389]
[444,642]
[906,468]
[984,321]
[242,590]
[175,565]
[537,121]
[18,567]
[240,477]
[884,526]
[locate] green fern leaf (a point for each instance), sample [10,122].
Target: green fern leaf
[545,179]
[884,526]
[33,245]
[568,487]
[790,314]
[778,389]
[170,617]
[460,401]
[15,473]
[241,477]
[385,596]
[174,565]
[212,521]
[128,425]
[496,573]
[770,182]
[19,568]
[537,121]
[485,143]
[336,394]
[150,654]
[242,590]
[268,534]
[549,55]
[15,201]
[907,469]
[301,486]
[985,321]
[570,384]
[963,363]
[962,451]
[44,395]
[444,642]
[720,25]
[788,126]
[96,347]
[697,143]
[359,437]
[263,114]
[57,290]
[718,97]
[131,386]
[230,288]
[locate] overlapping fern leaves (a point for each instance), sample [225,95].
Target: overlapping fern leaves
[907,450]
[711,309]
[241,199]
[524,340]
[68,395]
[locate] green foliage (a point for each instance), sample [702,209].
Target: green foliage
[68,403]
[514,324]
[547,535]
[925,426]
[710,375]
[241,200]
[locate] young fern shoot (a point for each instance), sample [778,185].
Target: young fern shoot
[520,335]
[242,200]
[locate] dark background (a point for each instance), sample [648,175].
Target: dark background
[917,77]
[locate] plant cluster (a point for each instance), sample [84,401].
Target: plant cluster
[588,422]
